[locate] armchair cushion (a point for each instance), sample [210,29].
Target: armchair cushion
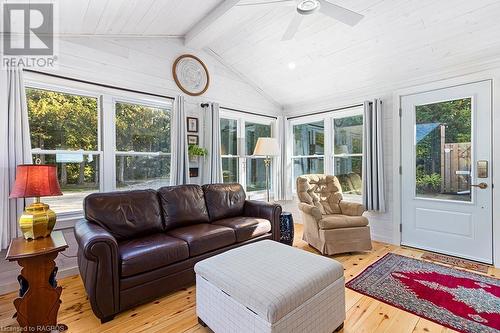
[311,210]
[351,208]
[338,221]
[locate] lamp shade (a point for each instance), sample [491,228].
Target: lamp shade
[266,147]
[35,181]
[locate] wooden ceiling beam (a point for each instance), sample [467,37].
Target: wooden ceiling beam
[209,27]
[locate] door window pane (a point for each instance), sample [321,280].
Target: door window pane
[348,135]
[62,121]
[252,133]
[256,174]
[142,128]
[134,172]
[308,165]
[230,169]
[309,139]
[78,175]
[443,150]
[229,136]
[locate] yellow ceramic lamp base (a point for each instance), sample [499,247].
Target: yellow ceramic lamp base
[37,220]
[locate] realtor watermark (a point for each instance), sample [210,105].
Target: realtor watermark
[28,38]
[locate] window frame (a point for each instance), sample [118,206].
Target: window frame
[241,119]
[329,132]
[106,129]
[148,103]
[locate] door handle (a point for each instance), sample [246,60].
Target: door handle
[482,186]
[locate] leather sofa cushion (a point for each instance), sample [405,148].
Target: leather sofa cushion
[150,252]
[338,221]
[183,205]
[127,214]
[246,227]
[224,200]
[204,237]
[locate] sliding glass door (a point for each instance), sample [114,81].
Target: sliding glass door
[239,135]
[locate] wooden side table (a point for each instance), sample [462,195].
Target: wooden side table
[39,295]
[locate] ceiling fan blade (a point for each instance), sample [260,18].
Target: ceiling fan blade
[293,27]
[341,14]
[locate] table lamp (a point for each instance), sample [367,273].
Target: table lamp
[35,181]
[267,147]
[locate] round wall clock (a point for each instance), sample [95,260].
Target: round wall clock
[191,75]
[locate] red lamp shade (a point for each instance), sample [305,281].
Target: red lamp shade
[35,181]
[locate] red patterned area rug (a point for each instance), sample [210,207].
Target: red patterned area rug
[457,299]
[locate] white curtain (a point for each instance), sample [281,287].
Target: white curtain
[281,178]
[373,162]
[15,148]
[212,172]
[179,171]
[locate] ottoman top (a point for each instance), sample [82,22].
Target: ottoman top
[269,278]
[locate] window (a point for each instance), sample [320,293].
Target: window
[229,150]
[238,162]
[64,131]
[142,146]
[340,135]
[308,148]
[94,151]
[348,154]
[255,168]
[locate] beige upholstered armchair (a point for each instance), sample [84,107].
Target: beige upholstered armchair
[331,225]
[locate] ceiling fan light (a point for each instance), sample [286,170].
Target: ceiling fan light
[307,7]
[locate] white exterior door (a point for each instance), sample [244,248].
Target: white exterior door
[446,171]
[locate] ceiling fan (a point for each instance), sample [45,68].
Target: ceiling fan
[308,7]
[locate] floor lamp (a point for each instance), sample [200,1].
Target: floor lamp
[267,147]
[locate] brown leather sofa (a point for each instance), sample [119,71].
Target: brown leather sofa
[138,245]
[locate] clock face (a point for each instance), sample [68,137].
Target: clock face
[191,75]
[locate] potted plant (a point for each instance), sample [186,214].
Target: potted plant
[195,151]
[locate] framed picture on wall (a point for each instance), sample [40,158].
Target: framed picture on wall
[192,124]
[193,139]
[193,172]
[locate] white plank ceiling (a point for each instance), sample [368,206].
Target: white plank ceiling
[397,39]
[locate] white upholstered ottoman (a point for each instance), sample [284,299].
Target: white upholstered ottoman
[270,287]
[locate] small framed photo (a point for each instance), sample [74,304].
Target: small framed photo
[193,172]
[192,124]
[193,139]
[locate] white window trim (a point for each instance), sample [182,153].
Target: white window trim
[329,154]
[106,136]
[241,119]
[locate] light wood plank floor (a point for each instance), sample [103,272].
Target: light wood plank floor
[177,313]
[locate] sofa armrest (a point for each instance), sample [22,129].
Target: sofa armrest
[351,208]
[311,210]
[98,262]
[264,210]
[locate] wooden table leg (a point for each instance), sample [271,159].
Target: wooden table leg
[38,305]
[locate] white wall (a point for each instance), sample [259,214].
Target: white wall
[385,226]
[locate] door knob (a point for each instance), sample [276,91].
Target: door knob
[482,186]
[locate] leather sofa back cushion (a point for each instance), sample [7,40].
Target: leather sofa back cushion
[224,200]
[183,205]
[126,214]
